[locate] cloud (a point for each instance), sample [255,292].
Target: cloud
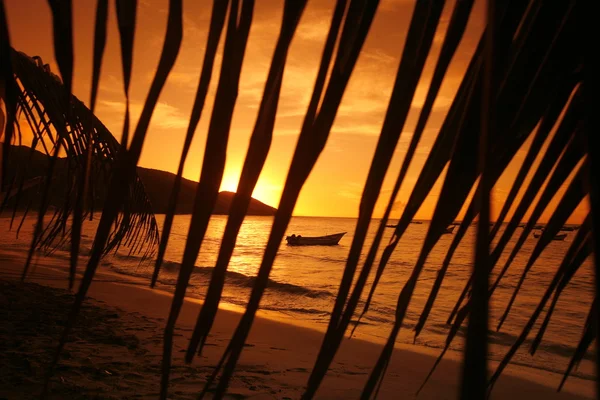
[165,116]
[111,85]
[351,190]
[286,132]
[379,56]
[317,29]
[391,5]
[441,101]
[398,205]
[185,79]
[350,127]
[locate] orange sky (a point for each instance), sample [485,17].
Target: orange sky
[335,185]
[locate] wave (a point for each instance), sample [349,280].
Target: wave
[293,310]
[320,258]
[507,339]
[232,278]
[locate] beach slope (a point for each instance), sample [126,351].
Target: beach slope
[115,349]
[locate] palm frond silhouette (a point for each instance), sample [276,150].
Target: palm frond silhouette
[532,76]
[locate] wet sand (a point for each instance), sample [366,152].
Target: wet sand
[115,349]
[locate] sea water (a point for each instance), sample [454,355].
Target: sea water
[304,282]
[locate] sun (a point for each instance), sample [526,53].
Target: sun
[264,194]
[264,191]
[229,183]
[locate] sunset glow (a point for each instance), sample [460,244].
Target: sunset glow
[264,191]
[334,186]
[299,199]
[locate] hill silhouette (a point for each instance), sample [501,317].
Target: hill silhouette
[158,185]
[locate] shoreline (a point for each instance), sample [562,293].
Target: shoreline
[278,356]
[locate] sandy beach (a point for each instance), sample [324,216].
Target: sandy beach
[115,349]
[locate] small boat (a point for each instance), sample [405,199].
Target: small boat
[396,224]
[563,229]
[449,230]
[568,228]
[328,240]
[560,236]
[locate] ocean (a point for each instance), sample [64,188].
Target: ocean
[305,280]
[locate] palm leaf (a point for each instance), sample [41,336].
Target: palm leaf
[8,92]
[126,14]
[213,164]
[578,251]
[99,45]
[84,175]
[474,372]
[459,180]
[589,86]
[216,27]
[124,172]
[419,40]
[568,203]
[566,277]
[310,144]
[564,167]
[258,149]
[40,104]
[588,336]
[455,32]
[62,22]
[530,77]
[556,146]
